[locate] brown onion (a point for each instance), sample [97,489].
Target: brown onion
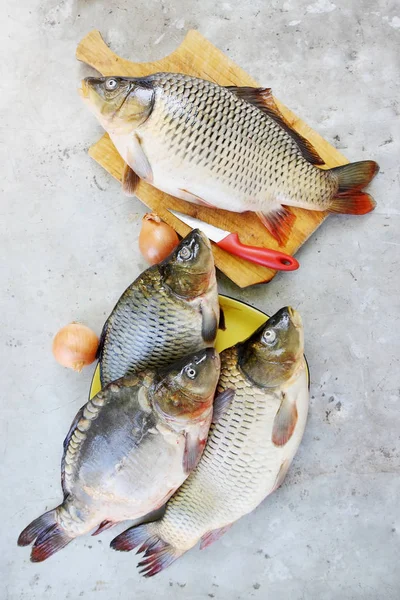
[75,346]
[156,239]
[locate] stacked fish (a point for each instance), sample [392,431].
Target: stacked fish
[145,433]
[176,424]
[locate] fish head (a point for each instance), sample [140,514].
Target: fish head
[189,270]
[274,352]
[121,104]
[184,391]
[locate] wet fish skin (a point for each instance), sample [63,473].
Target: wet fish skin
[249,449]
[226,147]
[128,450]
[169,311]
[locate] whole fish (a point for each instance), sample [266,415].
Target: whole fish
[250,446]
[228,147]
[128,450]
[169,311]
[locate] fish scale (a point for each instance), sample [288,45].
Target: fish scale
[256,157]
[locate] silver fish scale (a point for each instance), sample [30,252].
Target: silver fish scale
[233,465]
[148,328]
[200,123]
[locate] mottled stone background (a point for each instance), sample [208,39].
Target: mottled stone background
[69,248]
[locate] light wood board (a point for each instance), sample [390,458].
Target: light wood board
[198,57]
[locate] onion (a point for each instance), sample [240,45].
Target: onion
[156,239]
[75,346]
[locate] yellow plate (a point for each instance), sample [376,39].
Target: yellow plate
[240,320]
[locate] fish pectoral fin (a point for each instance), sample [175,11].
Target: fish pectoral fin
[194,447]
[130,180]
[279,223]
[263,99]
[221,403]
[104,525]
[284,422]
[221,323]
[209,323]
[190,197]
[138,161]
[212,536]
[281,474]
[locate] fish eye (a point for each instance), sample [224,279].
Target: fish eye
[185,253]
[269,336]
[191,372]
[111,84]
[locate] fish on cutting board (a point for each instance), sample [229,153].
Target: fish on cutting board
[251,444]
[128,450]
[227,147]
[169,311]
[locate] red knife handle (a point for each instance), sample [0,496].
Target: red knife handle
[261,256]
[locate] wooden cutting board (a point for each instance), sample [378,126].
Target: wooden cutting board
[197,56]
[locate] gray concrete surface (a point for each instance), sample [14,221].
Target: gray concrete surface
[69,248]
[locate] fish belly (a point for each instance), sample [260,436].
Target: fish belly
[138,484]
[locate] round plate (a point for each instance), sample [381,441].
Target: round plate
[240,320]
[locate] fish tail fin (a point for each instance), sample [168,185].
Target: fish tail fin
[355,176]
[47,534]
[352,179]
[158,554]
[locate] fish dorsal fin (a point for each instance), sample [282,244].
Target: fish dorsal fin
[263,99]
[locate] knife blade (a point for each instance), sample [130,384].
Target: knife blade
[230,242]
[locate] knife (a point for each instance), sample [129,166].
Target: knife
[230,242]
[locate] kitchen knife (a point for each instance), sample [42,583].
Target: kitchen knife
[230,242]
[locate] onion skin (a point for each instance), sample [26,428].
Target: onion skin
[75,346]
[156,239]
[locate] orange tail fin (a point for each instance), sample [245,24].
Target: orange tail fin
[352,202]
[352,179]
